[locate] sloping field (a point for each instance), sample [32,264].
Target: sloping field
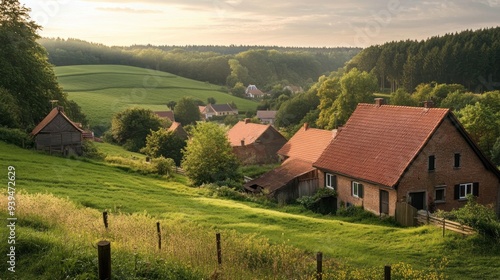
[104,187]
[104,90]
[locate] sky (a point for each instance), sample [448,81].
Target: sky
[313,23]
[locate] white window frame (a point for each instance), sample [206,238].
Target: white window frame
[355,188]
[468,189]
[329,181]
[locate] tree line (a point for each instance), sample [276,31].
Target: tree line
[222,65]
[470,58]
[27,80]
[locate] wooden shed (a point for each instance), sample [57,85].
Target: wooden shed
[56,133]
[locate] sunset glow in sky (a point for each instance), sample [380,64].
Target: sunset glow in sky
[315,23]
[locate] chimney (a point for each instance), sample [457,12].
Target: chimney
[306,126]
[428,104]
[379,101]
[247,120]
[60,109]
[242,142]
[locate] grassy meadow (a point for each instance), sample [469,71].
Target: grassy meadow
[261,234]
[104,90]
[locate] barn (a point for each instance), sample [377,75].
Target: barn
[56,133]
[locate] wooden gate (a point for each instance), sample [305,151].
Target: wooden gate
[406,214]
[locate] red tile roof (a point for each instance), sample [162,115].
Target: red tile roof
[247,131]
[378,143]
[176,127]
[50,116]
[282,175]
[307,144]
[166,114]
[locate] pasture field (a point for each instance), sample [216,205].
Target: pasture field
[104,90]
[98,186]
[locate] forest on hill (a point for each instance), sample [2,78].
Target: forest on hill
[221,65]
[470,58]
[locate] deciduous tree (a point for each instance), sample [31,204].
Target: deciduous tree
[164,143]
[186,111]
[131,127]
[208,157]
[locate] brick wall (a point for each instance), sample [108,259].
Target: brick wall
[371,194]
[444,144]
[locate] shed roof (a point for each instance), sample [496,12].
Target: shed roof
[50,116]
[379,142]
[282,175]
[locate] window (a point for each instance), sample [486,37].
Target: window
[432,163]
[330,181]
[462,190]
[439,194]
[457,161]
[357,189]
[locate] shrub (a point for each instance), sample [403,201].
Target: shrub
[164,166]
[16,137]
[90,150]
[319,202]
[480,217]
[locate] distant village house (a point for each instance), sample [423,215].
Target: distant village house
[253,92]
[217,110]
[266,117]
[255,143]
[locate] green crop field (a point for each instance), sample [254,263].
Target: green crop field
[104,90]
[101,186]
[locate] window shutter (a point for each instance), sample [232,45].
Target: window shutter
[475,189]
[360,190]
[457,191]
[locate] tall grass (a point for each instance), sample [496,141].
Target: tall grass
[58,237]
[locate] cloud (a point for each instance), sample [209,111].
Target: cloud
[128,10]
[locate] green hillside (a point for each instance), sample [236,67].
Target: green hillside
[101,186]
[103,90]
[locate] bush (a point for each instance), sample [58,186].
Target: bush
[320,202]
[16,137]
[90,150]
[480,217]
[163,166]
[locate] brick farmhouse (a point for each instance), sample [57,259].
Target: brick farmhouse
[421,155]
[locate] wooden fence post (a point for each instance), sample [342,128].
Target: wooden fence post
[105,219]
[104,259]
[387,272]
[444,226]
[159,234]
[319,266]
[219,250]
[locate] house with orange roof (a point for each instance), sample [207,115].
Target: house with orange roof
[165,115]
[296,176]
[255,143]
[420,155]
[253,92]
[56,133]
[177,128]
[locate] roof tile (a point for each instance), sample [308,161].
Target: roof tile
[379,142]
